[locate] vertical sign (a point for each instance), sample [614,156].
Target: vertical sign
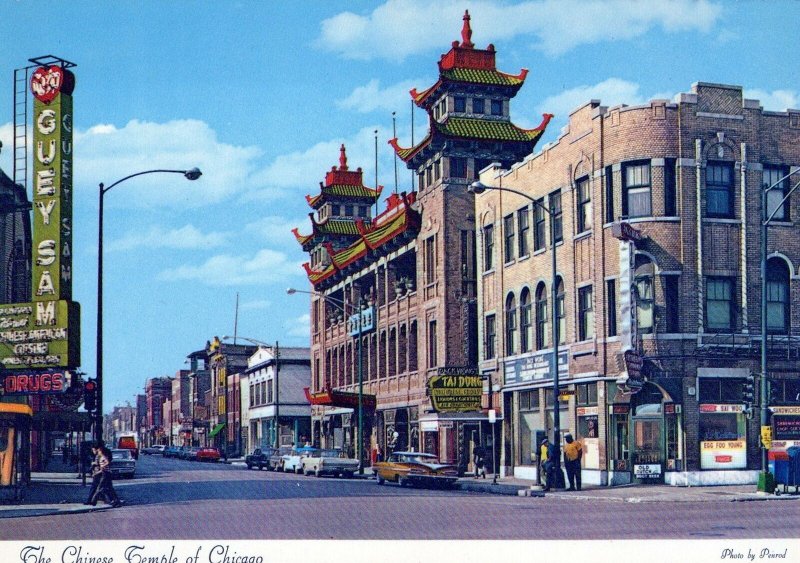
[52,183]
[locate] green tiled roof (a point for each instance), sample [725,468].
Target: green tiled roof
[481,76]
[351,191]
[486,129]
[338,227]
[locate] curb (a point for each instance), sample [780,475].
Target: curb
[31,510]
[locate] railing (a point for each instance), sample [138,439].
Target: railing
[779,346]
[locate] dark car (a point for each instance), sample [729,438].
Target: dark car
[123,464]
[259,458]
[171,451]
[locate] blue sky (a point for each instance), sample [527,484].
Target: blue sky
[260,95]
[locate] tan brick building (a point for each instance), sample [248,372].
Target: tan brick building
[688,176]
[411,269]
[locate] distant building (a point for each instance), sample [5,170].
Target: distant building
[157,390]
[15,242]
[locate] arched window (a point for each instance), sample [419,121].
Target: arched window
[511,323]
[645,291]
[525,324]
[541,317]
[561,311]
[778,296]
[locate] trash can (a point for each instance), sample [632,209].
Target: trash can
[787,468]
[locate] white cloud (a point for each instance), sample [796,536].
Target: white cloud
[277,231]
[301,326]
[255,305]
[399,28]
[179,144]
[186,237]
[371,97]
[777,100]
[610,92]
[263,267]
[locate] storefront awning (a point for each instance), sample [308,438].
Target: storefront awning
[336,398]
[216,429]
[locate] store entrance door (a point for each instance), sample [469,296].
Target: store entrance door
[647,436]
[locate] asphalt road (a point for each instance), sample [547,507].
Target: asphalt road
[174,499]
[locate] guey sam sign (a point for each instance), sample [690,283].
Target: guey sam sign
[456,392]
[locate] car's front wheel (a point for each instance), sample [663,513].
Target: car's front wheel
[249,466]
[381,480]
[402,481]
[297,470]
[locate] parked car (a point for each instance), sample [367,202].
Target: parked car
[276,458]
[183,452]
[171,451]
[293,461]
[207,454]
[123,464]
[191,453]
[153,450]
[415,469]
[259,458]
[329,462]
[128,442]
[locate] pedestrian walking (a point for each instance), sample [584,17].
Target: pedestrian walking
[102,486]
[542,461]
[550,464]
[573,452]
[479,460]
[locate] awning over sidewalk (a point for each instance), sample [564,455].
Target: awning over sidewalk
[336,398]
[216,429]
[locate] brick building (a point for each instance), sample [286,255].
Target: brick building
[688,177]
[410,270]
[157,390]
[15,242]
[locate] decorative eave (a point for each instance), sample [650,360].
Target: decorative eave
[474,128]
[358,193]
[398,219]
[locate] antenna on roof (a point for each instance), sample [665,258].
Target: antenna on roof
[394,136]
[376,170]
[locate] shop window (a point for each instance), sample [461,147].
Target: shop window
[488,247]
[587,426]
[719,189]
[776,176]
[523,220]
[525,321]
[720,390]
[719,304]
[643,282]
[586,394]
[585,313]
[511,323]
[557,216]
[529,400]
[721,426]
[490,335]
[778,313]
[508,234]
[584,204]
[636,201]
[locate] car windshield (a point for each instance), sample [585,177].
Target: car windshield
[120,454]
[331,453]
[416,458]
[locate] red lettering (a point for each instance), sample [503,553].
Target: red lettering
[22,383]
[10,384]
[58,382]
[45,382]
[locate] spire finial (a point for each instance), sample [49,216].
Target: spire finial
[466,32]
[342,158]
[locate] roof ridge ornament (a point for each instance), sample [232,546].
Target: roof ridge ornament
[342,158]
[466,32]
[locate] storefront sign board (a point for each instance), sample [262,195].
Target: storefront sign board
[723,454]
[647,471]
[787,427]
[455,393]
[40,335]
[534,367]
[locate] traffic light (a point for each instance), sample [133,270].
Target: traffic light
[749,390]
[90,395]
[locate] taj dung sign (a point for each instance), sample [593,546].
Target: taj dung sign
[455,390]
[40,335]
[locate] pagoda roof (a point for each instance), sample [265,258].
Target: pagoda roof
[474,128]
[345,226]
[376,238]
[344,183]
[466,64]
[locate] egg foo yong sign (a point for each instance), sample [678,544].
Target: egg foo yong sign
[456,390]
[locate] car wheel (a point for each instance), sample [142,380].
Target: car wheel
[269,467]
[381,480]
[297,470]
[249,466]
[402,481]
[347,475]
[317,473]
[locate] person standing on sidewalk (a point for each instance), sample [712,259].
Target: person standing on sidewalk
[573,452]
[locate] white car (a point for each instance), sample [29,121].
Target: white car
[329,462]
[123,464]
[293,461]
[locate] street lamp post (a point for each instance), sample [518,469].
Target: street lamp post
[192,174]
[478,187]
[341,306]
[763,388]
[276,354]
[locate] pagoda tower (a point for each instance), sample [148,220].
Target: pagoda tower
[469,128]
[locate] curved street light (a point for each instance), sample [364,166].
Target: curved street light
[477,188]
[341,306]
[191,174]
